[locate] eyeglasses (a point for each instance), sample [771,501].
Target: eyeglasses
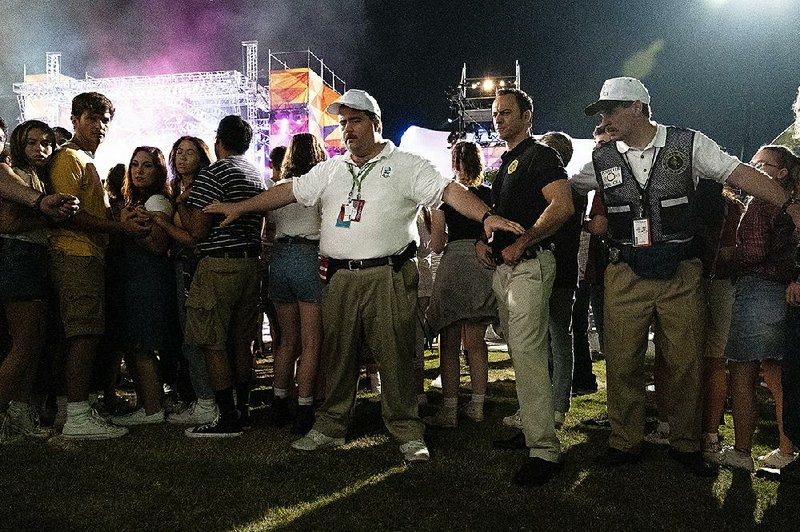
[761,164]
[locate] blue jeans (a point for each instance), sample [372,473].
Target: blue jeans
[561,358]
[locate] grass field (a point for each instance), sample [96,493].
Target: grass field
[156,479]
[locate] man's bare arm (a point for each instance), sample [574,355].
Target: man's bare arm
[269,200]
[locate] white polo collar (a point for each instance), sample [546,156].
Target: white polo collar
[659,140]
[387,150]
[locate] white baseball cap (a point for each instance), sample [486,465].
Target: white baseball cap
[619,90]
[355,99]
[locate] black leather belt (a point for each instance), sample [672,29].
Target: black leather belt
[396,261]
[240,253]
[358,264]
[297,240]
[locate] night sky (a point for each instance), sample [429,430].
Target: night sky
[729,68]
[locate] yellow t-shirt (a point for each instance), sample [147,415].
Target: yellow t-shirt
[73,172]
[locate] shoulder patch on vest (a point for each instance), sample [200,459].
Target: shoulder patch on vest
[513,166]
[675,161]
[611,177]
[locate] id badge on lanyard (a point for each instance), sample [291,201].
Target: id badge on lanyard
[641,232]
[351,210]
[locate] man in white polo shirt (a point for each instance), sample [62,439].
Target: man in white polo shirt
[648,175]
[370,197]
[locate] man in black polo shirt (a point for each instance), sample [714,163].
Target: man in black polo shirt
[222,309]
[531,189]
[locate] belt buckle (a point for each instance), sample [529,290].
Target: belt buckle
[354,265]
[613,255]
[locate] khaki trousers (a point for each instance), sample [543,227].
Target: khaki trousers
[632,303]
[523,295]
[376,306]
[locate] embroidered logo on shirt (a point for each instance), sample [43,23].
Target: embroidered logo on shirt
[386,171]
[674,162]
[513,166]
[611,177]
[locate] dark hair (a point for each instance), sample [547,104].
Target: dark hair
[234,134]
[786,159]
[19,140]
[468,158]
[202,150]
[304,152]
[64,132]
[610,105]
[134,196]
[92,102]
[524,101]
[114,181]
[561,142]
[276,156]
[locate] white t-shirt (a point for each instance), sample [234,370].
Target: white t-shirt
[296,219]
[395,187]
[709,161]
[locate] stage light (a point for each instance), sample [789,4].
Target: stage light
[474,85]
[488,84]
[502,83]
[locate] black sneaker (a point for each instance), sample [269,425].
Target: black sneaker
[279,414]
[303,419]
[601,422]
[614,457]
[535,472]
[223,427]
[693,461]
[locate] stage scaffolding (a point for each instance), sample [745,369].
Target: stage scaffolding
[155,110]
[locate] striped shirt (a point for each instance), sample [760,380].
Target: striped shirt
[230,179]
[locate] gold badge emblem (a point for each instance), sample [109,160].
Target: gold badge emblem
[513,166]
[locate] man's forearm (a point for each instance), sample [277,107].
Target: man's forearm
[758,184]
[192,221]
[269,200]
[92,224]
[464,201]
[551,219]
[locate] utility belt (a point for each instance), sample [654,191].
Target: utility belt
[297,240]
[659,261]
[530,252]
[249,252]
[328,266]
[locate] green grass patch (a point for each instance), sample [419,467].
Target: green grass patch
[157,479]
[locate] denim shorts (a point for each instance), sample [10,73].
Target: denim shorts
[758,323]
[24,271]
[294,274]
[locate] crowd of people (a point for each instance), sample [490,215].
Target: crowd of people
[171,264]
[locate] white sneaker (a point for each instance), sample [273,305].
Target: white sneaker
[90,426]
[775,459]
[733,458]
[415,451]
[315,440]
[200,412]
[24,421]
[514,420]
[138,417]
[659,435]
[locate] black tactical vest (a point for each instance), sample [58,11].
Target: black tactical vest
[667,200]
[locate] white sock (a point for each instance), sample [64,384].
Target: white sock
[281,393]
[305,401]
[206,403]
[663,427]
